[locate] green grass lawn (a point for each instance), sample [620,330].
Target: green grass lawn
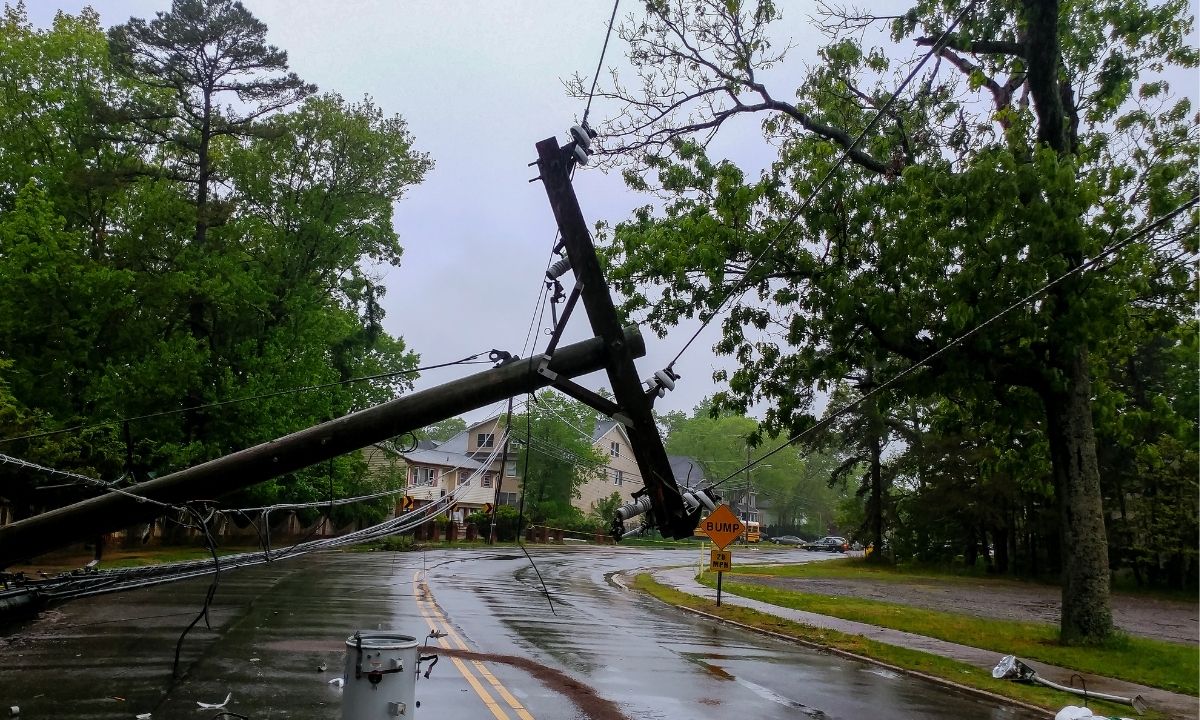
[1158,664]
[915,660]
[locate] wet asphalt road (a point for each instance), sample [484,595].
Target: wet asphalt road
[603,653]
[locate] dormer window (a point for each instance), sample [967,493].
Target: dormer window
[484,440]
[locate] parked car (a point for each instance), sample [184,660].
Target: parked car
[787,540]
[830,544]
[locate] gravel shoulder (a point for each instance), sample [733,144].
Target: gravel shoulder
[1159,619]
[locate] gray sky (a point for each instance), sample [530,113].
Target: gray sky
[479,82]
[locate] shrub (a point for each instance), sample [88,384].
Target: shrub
[399,543]
[506,523]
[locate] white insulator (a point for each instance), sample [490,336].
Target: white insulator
[665,380]
[558,269]
[581,155]
[635,508]
[582,136]
[694,500]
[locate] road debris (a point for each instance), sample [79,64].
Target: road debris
[214,706]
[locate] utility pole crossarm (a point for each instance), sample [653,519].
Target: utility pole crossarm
[670,512]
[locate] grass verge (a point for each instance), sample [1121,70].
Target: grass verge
[915,661]
[1149,662]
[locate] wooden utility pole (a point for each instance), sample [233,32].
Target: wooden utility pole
[633,404]
[111,511]
[500,476]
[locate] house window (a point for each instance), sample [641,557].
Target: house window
[464,477]
[618,477]
[424,476]
[510,470]
[486,480]
[484,440]
[614,449]
[509,498]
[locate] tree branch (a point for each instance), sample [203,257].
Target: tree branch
[976,47]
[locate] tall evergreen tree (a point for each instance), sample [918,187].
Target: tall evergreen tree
[196,53]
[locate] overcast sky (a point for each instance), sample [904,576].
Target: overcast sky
[479,82]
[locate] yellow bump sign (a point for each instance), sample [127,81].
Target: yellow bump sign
[722,526]
[720,560]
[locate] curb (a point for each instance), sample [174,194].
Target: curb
[944,682]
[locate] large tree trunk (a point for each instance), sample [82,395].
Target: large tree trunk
[1085,579]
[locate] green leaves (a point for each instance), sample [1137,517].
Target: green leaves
[114,306]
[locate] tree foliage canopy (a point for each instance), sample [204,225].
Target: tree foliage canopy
[1020,176]
[132,291]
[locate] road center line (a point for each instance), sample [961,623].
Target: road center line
[483,694]
[487,674]
[462,645]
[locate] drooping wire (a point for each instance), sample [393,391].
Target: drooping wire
[469,360]
[600,62]
[736,289]
[77,479]
[521,510]
[1092,262]
[208,597]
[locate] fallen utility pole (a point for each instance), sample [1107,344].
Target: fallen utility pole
[632,407]
[112,511]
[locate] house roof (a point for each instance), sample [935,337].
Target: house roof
[440,457]
[688,473]
[458,443]
[604,427]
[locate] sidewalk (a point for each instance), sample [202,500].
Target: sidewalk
[1174,704]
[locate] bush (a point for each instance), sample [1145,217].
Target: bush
[399,543]
[506,523]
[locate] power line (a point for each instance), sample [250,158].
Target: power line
[84,479]
[825,179]
[600,62]
[469,360]
[829,419]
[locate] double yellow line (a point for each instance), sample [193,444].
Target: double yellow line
[429,610]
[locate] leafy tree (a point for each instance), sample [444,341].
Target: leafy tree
[442,431]
[603,511]
[797,486]
[947,213]
[859,438]
[561,456]
[99,235]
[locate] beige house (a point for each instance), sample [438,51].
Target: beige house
[435,470]
[620,473]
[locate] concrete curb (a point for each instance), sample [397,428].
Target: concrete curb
[944,682]
[863,658]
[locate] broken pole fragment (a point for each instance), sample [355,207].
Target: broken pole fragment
[109,512]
